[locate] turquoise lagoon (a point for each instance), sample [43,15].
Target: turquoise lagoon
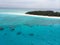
[28,30]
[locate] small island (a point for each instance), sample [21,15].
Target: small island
[44,13]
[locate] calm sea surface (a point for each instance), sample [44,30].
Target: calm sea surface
[27,30]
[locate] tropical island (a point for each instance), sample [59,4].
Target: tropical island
[44,13]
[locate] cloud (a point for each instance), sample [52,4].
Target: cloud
[30,3]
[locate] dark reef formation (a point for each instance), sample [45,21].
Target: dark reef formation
[18,33]
[31,34]
[44,13]
[1,28]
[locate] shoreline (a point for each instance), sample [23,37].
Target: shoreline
[23,14]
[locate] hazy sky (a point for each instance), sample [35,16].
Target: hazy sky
[30,3]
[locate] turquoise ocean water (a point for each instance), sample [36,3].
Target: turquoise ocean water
[28,30]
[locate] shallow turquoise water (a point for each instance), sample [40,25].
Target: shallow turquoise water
[27,30]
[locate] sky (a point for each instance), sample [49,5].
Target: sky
[30,3]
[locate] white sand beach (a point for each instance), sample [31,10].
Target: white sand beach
[23,14]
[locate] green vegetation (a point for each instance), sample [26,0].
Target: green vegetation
[45,13]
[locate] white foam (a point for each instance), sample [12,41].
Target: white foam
[22,14]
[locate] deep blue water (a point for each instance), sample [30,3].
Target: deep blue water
[27,30]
